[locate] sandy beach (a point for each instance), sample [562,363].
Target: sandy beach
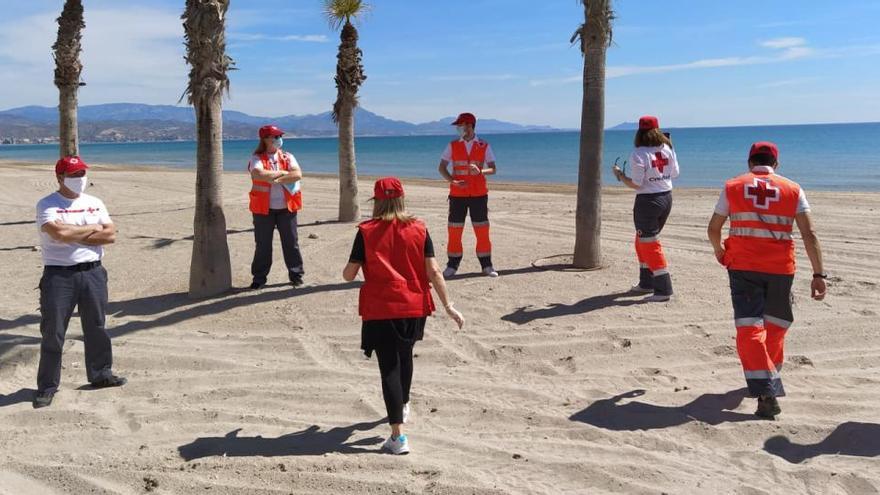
[560,382]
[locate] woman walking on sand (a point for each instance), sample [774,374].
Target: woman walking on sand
[397,257]
[654,165]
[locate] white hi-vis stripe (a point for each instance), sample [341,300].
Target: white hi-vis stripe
[763,233]
[660,271]
[759,217]
[643,265]
[762,375]
[484,255]
[748,322]
[648,239]
[480,224]
[779,322]
[454,255]
[456,225]
[261,188]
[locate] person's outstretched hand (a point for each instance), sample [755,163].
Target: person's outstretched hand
[455,315]
[818,288]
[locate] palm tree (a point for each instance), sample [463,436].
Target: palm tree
[349,77]
[68,68]
[204,23]
[594,36]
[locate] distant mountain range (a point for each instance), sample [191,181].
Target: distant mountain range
[118,122]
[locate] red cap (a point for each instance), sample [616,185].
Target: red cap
[465,118]
[764,147]
[270,130]
[388,188]
[648,122]
[69,165]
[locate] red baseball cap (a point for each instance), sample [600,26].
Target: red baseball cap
[270,130]
[465,118]
[388,188]
[764,147]
[648,122]
[70,165]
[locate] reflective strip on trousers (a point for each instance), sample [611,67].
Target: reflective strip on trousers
[762,233]
[455,255]
[484,255]
[761,375]
[748,322]
[748,216]
[779,322]
[643,265]
[456,225]
[480,224]
[662,271]
[648,239]
[261,188]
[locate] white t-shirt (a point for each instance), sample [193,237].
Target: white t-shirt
[447,153]
[722,207]
[276,196]
[653,168]
[84,210]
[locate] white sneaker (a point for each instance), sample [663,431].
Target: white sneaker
[397,446]
[657,298]
[449,272]
[638,289]
[490,272]
[406,413]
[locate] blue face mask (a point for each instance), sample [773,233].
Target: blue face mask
[279,142]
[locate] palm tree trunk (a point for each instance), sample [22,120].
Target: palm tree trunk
[205,29]
[68,68]
[588,217]
[349,210]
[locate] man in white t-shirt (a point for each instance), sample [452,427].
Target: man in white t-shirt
[74,227]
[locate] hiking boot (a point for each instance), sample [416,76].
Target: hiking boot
[43,399]
[110,381]
[257,285]
[296,281]
[449,272]
[638,289]
[768,407]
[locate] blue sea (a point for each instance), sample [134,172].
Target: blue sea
[820,157]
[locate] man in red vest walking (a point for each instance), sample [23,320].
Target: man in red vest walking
[472,160]
[759,255]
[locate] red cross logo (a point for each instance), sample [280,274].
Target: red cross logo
[91,210]
[762,193]
[660,163]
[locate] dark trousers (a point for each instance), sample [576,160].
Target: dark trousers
[478,208]
[650,213]
[62,290]
[762,314]
[396,367]
[264,231]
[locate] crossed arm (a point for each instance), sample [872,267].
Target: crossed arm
[92,235]
[489,169]
[277,176]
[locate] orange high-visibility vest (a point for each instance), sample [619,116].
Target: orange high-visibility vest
[762,210]
[261,190]
[395,282]
[475,182]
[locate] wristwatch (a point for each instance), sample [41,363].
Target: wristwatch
[820,275]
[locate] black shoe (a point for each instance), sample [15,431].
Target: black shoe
[768,407]
[43,399]
[110,381]
[296,282]
[257,285]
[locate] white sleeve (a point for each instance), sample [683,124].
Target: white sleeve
[292,160]
[638,168]
[104,217]
[722,207]
[255,163]
[45,214]
[675,169]
[447,153]
[803,206]
[490,155]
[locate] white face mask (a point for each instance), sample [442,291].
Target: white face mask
[76,184]
[278,142]
[461,131]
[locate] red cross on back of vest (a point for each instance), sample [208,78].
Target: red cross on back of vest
[762,193]
[659,162]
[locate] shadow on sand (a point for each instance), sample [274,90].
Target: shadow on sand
[850,438]
[712,409]
[311,441]
[525,315]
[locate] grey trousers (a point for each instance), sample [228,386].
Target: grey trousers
[62,290]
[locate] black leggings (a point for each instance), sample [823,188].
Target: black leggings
[396,367]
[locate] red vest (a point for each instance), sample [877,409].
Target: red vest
[475,182]
[395,282]
[261,191]
[762,210]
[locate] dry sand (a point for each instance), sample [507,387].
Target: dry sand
[560,382]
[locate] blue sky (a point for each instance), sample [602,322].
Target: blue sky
[692,62]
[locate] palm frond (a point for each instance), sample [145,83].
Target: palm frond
[340,12]
[68,45]
[597,28]
[204,23]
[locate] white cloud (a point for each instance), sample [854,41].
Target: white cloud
[311,38]
[474,77]
[779,43]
